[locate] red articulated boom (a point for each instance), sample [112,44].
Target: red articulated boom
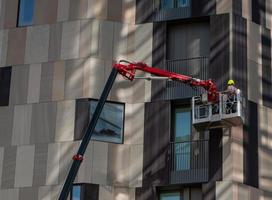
[128,69]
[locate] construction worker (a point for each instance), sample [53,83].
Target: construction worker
[231,97]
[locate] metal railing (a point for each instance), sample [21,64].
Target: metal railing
[195,67]
[189,162]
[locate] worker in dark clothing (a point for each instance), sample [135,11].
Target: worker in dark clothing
[231,94]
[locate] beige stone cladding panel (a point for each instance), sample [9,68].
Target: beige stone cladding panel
[268,13]
[233,154]
[265,149]
[6,123]
[120,43]
[85,171]
[43,122]
[63,10]
[3,46]
[2,12]
[70,40]
[118,168]
[134,123]
[65,121]
[19,84]
[223,6]
[97,9]
[226,190]
[254,76]
[46,84]
[246,9]
[86,27]
[116,193]
[94,77]
[55,42]
[37,44]
[11,7]
[254,43]
[58,81]
[74,70]
[24,166]
[9,194]
[21,124]
[100,163]
[29,193]
[45,12]
[33,94]
[16,46]
[136,165]
[53,164]
[44,193]
[129,11]
[106,40]
[67,150]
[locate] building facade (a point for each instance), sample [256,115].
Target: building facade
[55,57]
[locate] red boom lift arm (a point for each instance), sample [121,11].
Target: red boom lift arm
[128,70]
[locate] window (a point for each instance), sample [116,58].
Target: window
[26,10]
[182,3]
[182,133]
[167,4]
[5,77]
[76,192]
[109,127]
[170,196]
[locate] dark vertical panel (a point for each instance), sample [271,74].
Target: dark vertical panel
[156,144]
[90,192]
[266,68]
[203,7]
[239,61]
[82,117]
[237,7]
[219,50]
[158,57]
[215,163]
[9,165]
[5,77]
[251,166]
[258,10]
[144,11]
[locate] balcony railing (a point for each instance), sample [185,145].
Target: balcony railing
[171,9]
[194,67]
[189,162]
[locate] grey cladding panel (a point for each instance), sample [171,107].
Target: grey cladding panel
[240,53]
[40,164]
[6,123]
[9,164]
[266,68]
[29,193]
[220,50]
[144,11]
[43,123]
[46,82]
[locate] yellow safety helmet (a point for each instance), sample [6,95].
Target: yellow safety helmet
[231,82]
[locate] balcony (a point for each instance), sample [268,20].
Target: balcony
[189,162]
[164,10]
[194,67]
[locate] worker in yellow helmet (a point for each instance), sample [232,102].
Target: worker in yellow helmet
[231,89]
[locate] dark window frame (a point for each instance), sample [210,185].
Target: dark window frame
[81,126]
[123,124]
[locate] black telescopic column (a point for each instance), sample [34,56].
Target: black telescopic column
[87,137]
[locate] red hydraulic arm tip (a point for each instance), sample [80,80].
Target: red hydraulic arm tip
[128,69]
